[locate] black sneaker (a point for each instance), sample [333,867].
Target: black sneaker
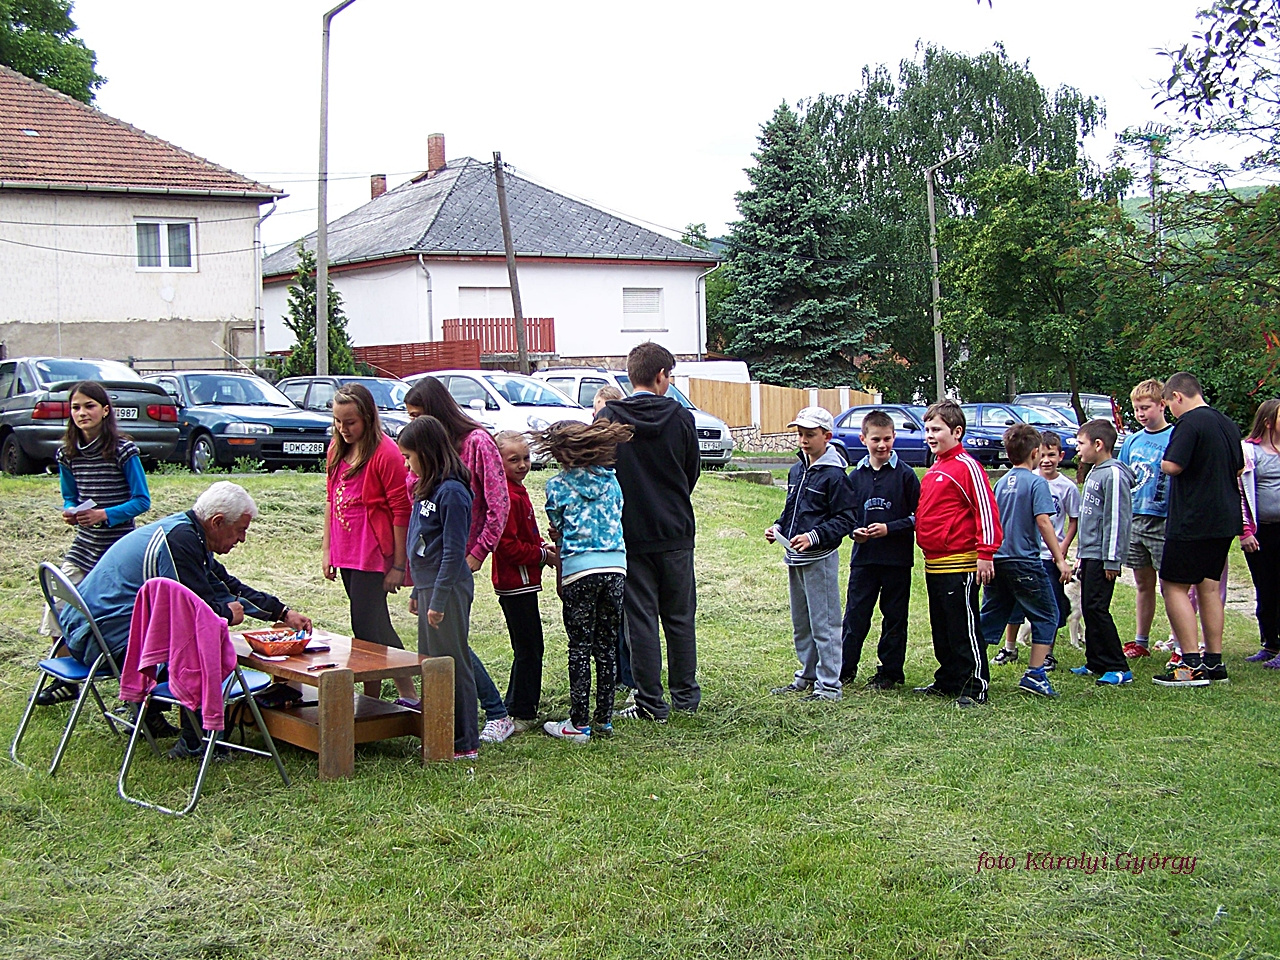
[1218,674]
[1050,663]
[186,751]
[964,702]
[795,686]
[1005,656]
[879,683]
[931,690]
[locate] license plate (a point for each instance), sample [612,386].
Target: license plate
[126,413]
[708,446]
[1002,455]
[303,447]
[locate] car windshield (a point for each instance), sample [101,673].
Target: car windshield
[1039,416]
[387,394]
[680,398]
[522,391]
[213,388]
[53,371]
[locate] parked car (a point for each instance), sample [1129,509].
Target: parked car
[316,394]
[35,405]
[715,440]
[909,443]
[498,400]
[1097,406]
[223,416]
[1001,416]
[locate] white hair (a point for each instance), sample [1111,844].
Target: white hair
[226,498]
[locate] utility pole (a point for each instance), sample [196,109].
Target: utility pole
[522,348]
[322,201]
[939,367]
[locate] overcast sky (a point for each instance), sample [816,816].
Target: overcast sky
[649,109]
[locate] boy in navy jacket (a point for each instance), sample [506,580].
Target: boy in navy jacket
[817,516]
[885,494]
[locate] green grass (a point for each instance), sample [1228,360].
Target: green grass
[758,827]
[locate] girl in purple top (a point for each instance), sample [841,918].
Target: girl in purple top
[489,508]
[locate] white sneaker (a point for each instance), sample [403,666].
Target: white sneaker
[495,731]
[565,730]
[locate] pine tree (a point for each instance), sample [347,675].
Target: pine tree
[302,322]
[795,310]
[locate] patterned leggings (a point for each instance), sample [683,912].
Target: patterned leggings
[592,619]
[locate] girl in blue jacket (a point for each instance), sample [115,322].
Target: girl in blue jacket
[437,545]
[584,505]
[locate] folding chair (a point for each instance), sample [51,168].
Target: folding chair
[69,670]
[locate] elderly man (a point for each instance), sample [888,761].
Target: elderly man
[180,547]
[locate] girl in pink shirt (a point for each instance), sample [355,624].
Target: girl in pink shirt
[366,520]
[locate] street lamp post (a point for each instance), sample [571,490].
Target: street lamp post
[322,202]
[939,366]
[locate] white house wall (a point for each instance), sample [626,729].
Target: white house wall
[73,258]
[390,304]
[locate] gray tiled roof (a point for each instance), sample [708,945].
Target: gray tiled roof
[456,212]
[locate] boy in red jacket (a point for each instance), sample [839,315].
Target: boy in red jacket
[958,529]
[517,565]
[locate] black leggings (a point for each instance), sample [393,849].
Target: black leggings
[524,624]
[370,619]
[1264,568]
[592,619]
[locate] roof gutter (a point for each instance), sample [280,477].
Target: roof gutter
[700,299]
[152,191]
[496,255]
[431,331]
[258,337]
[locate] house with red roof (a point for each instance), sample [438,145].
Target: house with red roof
[115,243]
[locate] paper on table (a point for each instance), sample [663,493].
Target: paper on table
[264,657]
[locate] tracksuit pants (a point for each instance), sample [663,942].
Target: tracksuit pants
[815,622]
[892,585]
[1102,649]
[450,640]
[957,642]
[660,586]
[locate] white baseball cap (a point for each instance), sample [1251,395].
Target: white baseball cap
[811,417]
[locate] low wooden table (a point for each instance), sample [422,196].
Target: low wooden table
[337,721]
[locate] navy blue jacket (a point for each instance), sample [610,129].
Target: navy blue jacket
[890,496]
[819,503]
[437,539]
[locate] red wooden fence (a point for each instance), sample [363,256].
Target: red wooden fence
[403,359]
[497,335]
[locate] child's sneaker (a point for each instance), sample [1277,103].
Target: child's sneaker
[795,686]
[1216,674]
[1050,663]
[1175,660]
[1133,650]
[1167,645]
[637,712]
[495,731]
[519,725]
[879,683]
[1273,663]
[1037,684]
[830,696]
[465,754]
[1181,676]
[1115,678]
[565,730]
[1262,655]
[1083,672]
[601,730]
[1005,656]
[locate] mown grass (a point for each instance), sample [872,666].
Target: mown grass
[756,827]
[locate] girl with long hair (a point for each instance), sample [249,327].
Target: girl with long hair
[490,506]
[443,583]
[584,505]
[366,521]
[1260,497]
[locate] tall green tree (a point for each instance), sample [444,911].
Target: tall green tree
[875,143]
[37,39]
[795,308]
[301,321]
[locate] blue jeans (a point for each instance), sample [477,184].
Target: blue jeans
[490,698]
[1059,593]
[1021,583]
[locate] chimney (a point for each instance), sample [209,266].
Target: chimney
[377,185]
[435,153]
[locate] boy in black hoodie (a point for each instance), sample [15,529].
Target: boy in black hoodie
[886,492]
[657,470]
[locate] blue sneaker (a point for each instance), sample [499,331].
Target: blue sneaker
[1037,684]
[1082,672]
[1115,678]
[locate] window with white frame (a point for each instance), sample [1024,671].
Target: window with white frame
[642,309]
[166,244]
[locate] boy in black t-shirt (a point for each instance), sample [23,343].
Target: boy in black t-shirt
[1203,460]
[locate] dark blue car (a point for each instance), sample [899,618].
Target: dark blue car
[1000,416]
[223,416]
[908,443]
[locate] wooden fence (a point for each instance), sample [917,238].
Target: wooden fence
[779,406]
[403,359]
[731,402]
[497,335]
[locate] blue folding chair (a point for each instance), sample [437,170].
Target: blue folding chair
[56,588]
[237,691]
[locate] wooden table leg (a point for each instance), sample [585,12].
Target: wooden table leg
[437,709]
[337,720]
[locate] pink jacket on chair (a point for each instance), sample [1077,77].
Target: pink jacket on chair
[172,625]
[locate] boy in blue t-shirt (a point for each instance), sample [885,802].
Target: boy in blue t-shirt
[1142,453]
[1026,514]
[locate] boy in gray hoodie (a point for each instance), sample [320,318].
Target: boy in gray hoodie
[1106,512]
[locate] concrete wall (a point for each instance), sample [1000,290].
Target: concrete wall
[391,304]
[73,258]
[125,339]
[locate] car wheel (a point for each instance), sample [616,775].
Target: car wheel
[201,456]
[13,460]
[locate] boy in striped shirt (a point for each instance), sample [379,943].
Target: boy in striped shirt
[958,529]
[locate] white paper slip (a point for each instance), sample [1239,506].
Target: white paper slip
[261,656]
[87,505]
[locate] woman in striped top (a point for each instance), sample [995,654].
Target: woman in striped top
[95,463]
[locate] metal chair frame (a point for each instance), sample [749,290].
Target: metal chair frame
[234,691]
[56,587]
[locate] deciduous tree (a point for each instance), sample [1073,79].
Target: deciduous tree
[37,39]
